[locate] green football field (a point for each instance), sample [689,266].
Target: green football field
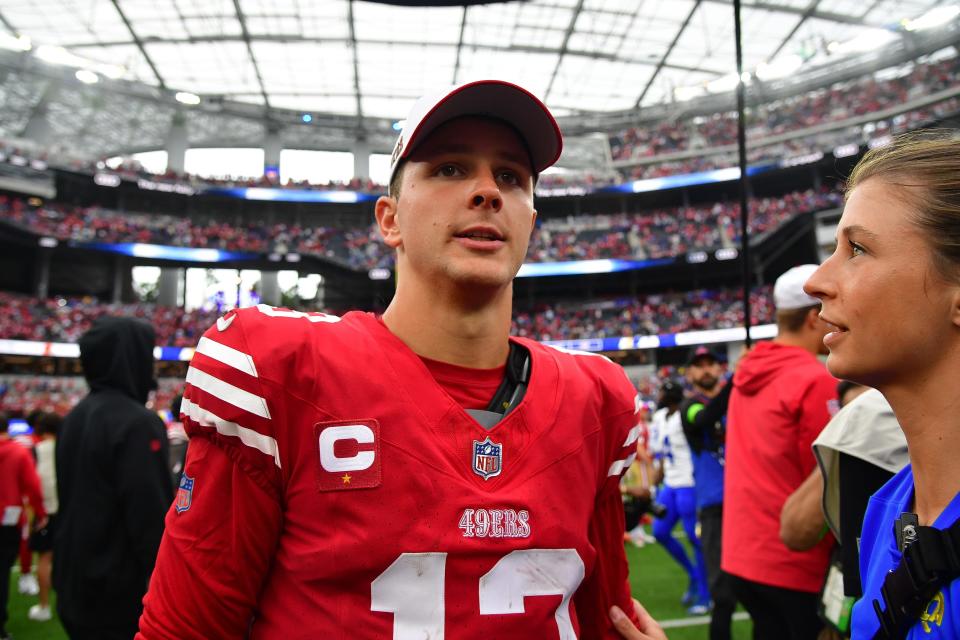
[656,581]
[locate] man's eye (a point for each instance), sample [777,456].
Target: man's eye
[856,250]
[448,170]
[509,177]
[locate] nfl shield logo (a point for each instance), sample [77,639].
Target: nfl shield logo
[184,494]
[487,458]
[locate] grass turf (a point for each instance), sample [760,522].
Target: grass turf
[655,579]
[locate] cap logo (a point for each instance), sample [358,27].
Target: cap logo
[397,150]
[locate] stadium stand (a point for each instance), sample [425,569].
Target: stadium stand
[838,102]
[647,234]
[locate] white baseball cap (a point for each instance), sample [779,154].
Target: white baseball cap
[490,98]
[788,291]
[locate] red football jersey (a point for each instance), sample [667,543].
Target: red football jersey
[333,489]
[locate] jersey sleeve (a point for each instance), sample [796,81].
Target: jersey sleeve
[223,527]
[215,554]
[608,585]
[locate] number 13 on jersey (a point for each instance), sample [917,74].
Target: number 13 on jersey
[412,589]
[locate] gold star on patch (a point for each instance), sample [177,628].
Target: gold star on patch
[346,478]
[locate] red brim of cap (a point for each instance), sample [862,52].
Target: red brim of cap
[503,101]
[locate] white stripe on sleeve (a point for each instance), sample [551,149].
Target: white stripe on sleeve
[617,467]
[227,355]
[228,393]
[632,436]
[249,437]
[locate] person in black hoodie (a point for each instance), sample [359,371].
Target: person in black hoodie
[113,483]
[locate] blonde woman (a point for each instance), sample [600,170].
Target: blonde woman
[891,292]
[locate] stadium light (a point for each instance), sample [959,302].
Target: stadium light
[874,39]
[186,97]
[933,18]
[307,118]
[19,43]
[727,82]
[779,68]
[86,76]
[59,55]
[112,71]
[687,93]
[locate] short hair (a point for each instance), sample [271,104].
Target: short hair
[792,320]
[49,424]
[393,189]
[175,406]
[924,166]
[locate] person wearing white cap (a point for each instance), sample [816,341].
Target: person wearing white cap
[781,399]
[418,474]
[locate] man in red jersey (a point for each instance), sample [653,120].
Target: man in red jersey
[18,480]
[782,398]
[419,474]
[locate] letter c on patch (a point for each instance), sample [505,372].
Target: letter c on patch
[360,433]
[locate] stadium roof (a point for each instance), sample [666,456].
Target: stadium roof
[363,61]
[363,58]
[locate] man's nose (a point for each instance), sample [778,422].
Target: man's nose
[486,193]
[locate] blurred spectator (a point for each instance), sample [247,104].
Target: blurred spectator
[18,481]
[178,439]
[703,418]
[114,485]
[41,541]
[781,400]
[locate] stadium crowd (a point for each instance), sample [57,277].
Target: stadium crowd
[839,102]
[20,395]
[648,315]
[650,234]
[66,319]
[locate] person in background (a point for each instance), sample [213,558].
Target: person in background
[113,482]
[891,296]
[781,400]
[178,439]
[668,444]
[703,415]
[860,449]
[41,540]
[27,583]
[18,482]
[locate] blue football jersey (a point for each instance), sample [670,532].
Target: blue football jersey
[879,554]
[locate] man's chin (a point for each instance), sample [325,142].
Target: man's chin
[708,384]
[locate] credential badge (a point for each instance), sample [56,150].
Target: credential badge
[487,458]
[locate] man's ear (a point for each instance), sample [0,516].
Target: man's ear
[386,213]
[533,223]
[813,318]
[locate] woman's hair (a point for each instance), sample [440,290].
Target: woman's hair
[925,167]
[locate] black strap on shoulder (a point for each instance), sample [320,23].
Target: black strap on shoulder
[514,385]
[931,559]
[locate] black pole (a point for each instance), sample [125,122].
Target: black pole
[744,182]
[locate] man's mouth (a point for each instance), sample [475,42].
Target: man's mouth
[480,237]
